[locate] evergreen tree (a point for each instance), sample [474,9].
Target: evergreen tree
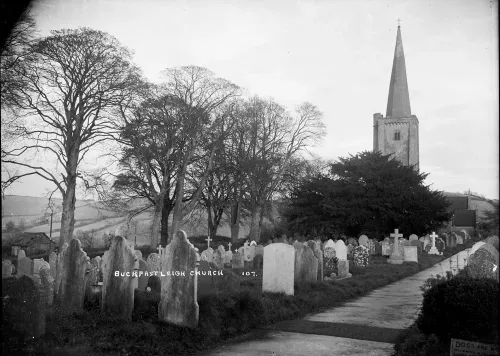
[368,193]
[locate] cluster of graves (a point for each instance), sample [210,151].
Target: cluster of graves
[181,274]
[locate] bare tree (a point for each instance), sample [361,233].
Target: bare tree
[73,81]
[14,48]
[205,96]
[274,137]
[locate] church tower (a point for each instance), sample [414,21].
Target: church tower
[397,132]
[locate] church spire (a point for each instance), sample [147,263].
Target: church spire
[398,103]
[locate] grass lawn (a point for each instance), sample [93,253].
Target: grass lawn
[222,315]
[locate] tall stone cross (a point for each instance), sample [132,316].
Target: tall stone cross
[433,250]
[208,239]
[396,235]
[396,257]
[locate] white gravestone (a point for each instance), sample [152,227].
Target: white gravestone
[340,250]
[433,250]
[279,268]
[410,254]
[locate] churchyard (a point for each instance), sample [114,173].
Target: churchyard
[179,300]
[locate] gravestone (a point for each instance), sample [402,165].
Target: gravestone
[386,247]
[352,241]
[343,268]
[413,237]
[6,268]
[378,248]
[237,260]
[218,259]
[396,258]
[228,257]
[57,281]
[89,275]
[426,240]
[493,241]
[53,264]
[143,275]
[350,249]
[279,265]
[153,262]
[361,256]
[118,291]
[25,266]
[371,246]
[178,303]
[206,279]
[72,270]
[460,239]
[315,247]
[47,285]
[138,254]
[154,284]
[341,250]
[452,240]
[24,309]
[476,247]
[363,240]
[329,243]
[440,245]
[329,261]
[207,255]
[253,243]
[306,265]
[419,245]
[21,254]
[483,263]
[411,253]
[433,250]
[258,262]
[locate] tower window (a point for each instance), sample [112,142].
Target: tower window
[397,135]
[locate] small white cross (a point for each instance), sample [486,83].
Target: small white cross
[208,239]
[159,249]
[434,239]
[396,234]
[230,244]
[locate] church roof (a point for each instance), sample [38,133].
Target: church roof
[398,103]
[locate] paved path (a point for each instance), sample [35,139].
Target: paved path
[365,326]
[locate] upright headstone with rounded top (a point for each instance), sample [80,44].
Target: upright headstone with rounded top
[341,250]
[178,303]
[363,240]
[118,291]
[72,271]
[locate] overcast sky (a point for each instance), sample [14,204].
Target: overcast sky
[336,54]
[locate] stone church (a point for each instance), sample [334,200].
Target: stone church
[397,132]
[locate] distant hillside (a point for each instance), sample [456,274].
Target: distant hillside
[32,209]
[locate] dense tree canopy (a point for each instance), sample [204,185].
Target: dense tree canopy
[367,193]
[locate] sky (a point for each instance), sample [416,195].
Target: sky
[336,54]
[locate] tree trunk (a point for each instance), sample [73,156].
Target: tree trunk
[156,225]
[165,214]
[255,222]
[177,215]
[235,221]
[68,212]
